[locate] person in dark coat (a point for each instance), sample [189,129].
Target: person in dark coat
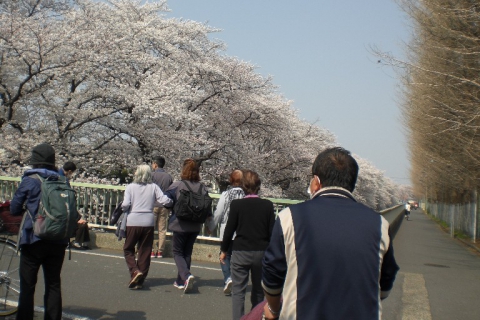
[251,220]
[82,235]
[35,252]
[185,232]
[329,257]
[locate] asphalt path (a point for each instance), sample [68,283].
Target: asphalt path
[439,276]
[439,279]
[95,286]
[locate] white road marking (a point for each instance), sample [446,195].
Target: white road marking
[152,261]
[416,305]
[64,315]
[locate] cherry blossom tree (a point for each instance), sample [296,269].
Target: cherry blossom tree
[111,84]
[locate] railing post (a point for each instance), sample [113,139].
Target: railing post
[475,215]
[452,221]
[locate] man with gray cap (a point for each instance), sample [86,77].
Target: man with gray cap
[36,252]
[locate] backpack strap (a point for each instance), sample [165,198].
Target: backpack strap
[41,179]
[186,183]
[36,176]
[20,229]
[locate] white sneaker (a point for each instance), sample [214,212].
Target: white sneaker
[178,286]
[227,290]
[189,284]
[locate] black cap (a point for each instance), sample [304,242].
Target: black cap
[43,154]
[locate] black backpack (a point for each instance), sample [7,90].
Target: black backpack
[193,206]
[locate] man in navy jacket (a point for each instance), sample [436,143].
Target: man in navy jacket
[330,257]
[35,252]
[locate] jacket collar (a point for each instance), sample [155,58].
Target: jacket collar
[334,192]
[41,171]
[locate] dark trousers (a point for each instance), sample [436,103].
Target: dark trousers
[82,235]
[142,237]
[243,263]
[50,256]
[182,248]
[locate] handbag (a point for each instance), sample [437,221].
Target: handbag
[9,223]
[121,231]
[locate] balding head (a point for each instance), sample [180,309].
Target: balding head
[236,178]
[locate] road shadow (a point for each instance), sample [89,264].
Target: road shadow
[167,284]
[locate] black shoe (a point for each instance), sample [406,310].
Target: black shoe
[86,248]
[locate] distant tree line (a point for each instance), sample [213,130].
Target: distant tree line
[441,97]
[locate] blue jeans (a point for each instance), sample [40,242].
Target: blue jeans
[226,267]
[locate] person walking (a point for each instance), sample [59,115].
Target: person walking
[68,170]
[220,215]
[82,235]
[185,232]
[252,219]
[162,179]
[407,210]
[35,252]
[139,200]
[330,257]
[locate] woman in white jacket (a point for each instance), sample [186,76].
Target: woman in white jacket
[221,216]
[139,199]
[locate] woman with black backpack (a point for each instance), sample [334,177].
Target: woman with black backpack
[185,226]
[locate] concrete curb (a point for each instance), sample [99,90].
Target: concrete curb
[202,251]
[471,245]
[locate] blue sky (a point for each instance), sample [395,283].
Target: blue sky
[318,53]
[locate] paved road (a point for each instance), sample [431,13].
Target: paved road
[439,279]
[95,287]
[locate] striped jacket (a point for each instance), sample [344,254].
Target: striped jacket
[331,258]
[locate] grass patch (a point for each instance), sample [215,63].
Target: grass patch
[461,235]
[444,225]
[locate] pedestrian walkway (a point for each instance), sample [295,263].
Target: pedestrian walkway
[439,279]
[95,286]
[439,276]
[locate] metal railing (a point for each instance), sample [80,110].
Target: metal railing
[96,203]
